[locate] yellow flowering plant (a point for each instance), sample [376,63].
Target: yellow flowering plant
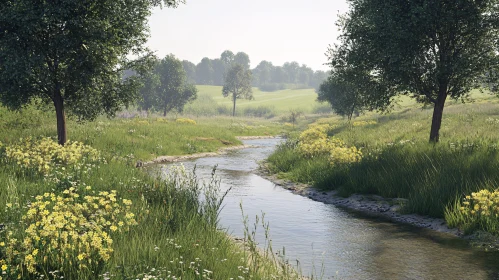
[185,121]
[44,156]
[70,232]
[480,210]
[315,142]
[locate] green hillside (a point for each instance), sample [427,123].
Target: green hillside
[281,101]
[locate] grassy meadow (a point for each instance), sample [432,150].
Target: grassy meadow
[83,211]
[456,179]
[265,104]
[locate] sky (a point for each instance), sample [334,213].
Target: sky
[273,30]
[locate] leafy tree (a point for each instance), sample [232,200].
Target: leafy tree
[318,78]
[190,71]
[243,59]
[227,58]
[350,90]
[291,69]
[72,54]
[237,85]
[204,72]
[148,91]
[262,73]
[173,92]
[218,71]
[430,50]
[305,75]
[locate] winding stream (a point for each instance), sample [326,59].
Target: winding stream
[346,245]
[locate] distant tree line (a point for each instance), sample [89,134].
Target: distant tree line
[265,76]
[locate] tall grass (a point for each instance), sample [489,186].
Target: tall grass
[178,233]
[398,162]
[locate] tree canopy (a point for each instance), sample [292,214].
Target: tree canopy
[237,85]
[166,87]
[429,50]
[73,54]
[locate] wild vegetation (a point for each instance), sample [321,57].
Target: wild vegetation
[388,155]
[83,211]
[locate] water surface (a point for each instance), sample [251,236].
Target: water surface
[321,236]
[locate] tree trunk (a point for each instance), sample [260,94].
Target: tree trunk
[234,106]
[438,111]
[61,118]
[164,112]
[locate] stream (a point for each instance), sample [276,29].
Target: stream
[330,241]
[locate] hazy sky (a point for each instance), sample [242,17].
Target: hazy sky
[274,30]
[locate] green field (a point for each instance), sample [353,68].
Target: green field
[281,101]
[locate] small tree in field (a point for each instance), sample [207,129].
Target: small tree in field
[237,85]
[73,54]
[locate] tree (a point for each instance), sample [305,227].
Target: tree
[351,90]
[430,50]
[227,58]
[173,91]
[190,71]
[291,69]
[148,91]
[237,85]
[218,72]
[73,54]
[263,72]
[204,72]
[243,59]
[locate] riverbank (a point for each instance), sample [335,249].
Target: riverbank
[376,206]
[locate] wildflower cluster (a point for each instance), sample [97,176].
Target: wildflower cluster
[363,123]
[45,155]
[162,120]
[482,204]
[185,121]
[68,232]
[315,142]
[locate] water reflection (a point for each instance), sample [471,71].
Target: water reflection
[345,244]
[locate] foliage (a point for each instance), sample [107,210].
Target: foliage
[67,231]
[314,142]
[429,50]
[237,85]
[166,89]
[46,157]
[73,55]
[350,90]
